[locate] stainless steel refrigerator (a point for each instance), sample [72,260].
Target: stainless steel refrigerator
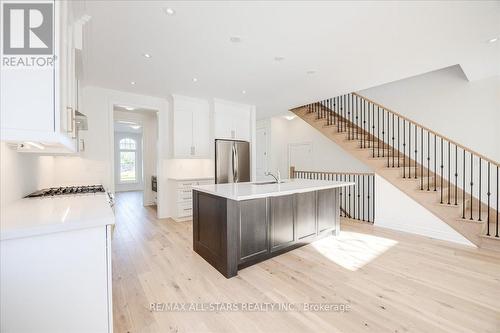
[232,161]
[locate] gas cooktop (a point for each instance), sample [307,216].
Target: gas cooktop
[67,190]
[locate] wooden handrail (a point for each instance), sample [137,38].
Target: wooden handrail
[293,171]
[429,130]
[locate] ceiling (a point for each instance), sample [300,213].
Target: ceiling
[349,46]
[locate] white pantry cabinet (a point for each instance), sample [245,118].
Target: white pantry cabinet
[191,127]
[38,104]
[232,120]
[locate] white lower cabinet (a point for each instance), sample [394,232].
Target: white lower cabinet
[181,194]
[58,282]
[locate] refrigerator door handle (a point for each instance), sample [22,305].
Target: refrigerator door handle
[236,164]
[233,159]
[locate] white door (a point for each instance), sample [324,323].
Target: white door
[262,154]
[300,156]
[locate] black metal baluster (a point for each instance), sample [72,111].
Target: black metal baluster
[409,149]
[363,197]
[456,174]
[416,151]
[372,112]
[378,131]
[350,212]
[441,170]
[421,158]
[471,183]
[349,130]
[368,198]
[359,192]
[435,170]
[463,189]
[496,234]
[373,213]
[479,201]
[404,148]
[449,176]
[428,158]
[393,145]
[388,137]
[357,122]
[488,194]
[398,141]
[383,133]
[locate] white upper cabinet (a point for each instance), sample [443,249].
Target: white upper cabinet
[191,127]
[232,120]
[38,103]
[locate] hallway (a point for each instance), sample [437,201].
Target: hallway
[423,286]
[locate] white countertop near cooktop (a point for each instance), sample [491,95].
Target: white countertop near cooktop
[246,191]
[37,216]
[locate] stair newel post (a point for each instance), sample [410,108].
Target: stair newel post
[441,166]
[428,159]
[471,183]
[479,201]
[488,194]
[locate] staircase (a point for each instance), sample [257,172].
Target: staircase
[456,184]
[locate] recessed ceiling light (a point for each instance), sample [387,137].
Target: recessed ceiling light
[195,79]
[146,55]
[235,39]
[132,83]
[492,40]
[169,11]
[243,92]
[311,72]
[279,58]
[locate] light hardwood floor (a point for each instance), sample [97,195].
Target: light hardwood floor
[393,282]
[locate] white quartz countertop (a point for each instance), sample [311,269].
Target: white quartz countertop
[245,191]
[37,216]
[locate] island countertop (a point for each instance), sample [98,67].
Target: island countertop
[246,191]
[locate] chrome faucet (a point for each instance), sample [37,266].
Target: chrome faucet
[278,179]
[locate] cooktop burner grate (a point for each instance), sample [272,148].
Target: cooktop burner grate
[67,190]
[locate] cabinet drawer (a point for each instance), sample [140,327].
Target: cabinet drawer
[184,209]
[184,194]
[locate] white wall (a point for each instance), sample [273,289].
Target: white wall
[406,215]
[325,155]
[22,174]
[445,101]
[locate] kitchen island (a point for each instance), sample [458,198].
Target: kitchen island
[240,224]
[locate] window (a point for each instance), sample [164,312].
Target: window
[128,160]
